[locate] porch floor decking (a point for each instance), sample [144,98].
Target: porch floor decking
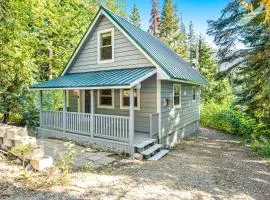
[140,137]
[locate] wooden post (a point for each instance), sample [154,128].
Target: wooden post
[131,120]
[151,125]
[159,108]
[65,111]
[92,103]
[40,108]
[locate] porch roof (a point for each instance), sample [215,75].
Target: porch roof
[120,78]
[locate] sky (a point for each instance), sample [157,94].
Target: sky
[197,11]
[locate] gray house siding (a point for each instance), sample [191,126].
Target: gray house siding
[177,123]
[148,105]
[126,55]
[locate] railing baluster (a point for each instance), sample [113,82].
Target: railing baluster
[105,126]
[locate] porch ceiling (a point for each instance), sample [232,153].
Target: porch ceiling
[120,78]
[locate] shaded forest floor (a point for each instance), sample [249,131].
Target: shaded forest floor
[213,165]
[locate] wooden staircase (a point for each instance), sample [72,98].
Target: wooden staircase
[150,150]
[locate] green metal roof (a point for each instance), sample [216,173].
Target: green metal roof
[163,55]
[120,77]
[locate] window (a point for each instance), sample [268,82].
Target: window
[177,95]
[105,46]
[106,98]
[193,93]
[124,98]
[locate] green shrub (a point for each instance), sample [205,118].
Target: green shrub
[262,146]
[212,116]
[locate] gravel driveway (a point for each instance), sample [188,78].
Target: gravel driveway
[211,166]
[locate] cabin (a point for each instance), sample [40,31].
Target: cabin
[123,89]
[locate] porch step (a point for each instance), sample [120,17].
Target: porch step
[144,143]
[148,152]
[159,155]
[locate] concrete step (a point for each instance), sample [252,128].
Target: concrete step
[159,155]
[145,143]
[151,150]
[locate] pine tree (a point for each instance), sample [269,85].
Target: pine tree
[217,90]
[182,25]
[135,16]
[191,44]
[169,22]
[170,31]
[154,21]
[251,64]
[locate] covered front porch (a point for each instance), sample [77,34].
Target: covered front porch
[93,122]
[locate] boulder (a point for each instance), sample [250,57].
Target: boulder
[8,143]
[16,133]
[138,156]
[18,161]
[1,141]
[26,140]
[3,130]
[3,147]
[42,163]
[36,153]
[28,167]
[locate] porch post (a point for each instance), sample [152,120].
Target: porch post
[131,120]
[92,113]
[64,111]
[41,107]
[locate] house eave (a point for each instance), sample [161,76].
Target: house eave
[84,88]
[189,82]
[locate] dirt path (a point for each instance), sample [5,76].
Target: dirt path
[212,166]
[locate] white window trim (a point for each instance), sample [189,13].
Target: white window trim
[98,45]
[104,106]
[180,96]
[138,107]
[194,100]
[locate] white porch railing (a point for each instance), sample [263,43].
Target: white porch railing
[104,126]
[52,119]
[153,124]
[111,126]
[78,122]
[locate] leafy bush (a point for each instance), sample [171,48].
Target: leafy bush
[261,145]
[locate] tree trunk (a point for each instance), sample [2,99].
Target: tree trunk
[6,112]
[49,72]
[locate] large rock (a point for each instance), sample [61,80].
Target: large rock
[8,143]
[42,163]
[3,130]
[1,141]
[3,147]
[27,140]
[137,156]
[28,167]
[36,153]
[16,133]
